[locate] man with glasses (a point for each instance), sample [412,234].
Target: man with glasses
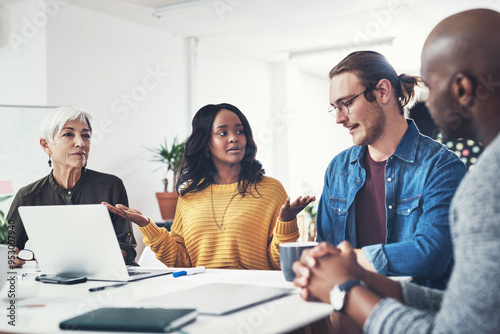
[389,194]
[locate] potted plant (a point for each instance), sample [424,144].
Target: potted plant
[170,156]
[311,211]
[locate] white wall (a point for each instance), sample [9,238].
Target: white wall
[224,76]
[23,71]
[131,78]
[315,137]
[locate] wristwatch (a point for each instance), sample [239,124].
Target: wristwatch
[339,291]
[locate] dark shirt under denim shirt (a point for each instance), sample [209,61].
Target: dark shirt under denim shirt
[421,177]
[92,188]
[370,205]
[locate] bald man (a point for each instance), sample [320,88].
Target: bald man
[461,68]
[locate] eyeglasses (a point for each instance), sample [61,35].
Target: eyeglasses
[343,107]
[26,255]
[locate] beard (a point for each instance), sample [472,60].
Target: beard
[374,128]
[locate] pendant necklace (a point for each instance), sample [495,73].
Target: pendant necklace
[221,226]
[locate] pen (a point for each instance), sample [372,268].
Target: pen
[191,271]
[99,288]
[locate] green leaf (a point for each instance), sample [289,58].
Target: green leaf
[169,155]
[5,198]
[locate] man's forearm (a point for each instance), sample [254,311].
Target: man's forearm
[382,286]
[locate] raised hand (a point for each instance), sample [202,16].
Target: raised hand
[135,216]
[289,210]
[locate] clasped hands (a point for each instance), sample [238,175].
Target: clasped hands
[322,267]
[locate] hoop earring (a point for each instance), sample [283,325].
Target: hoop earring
[49,162]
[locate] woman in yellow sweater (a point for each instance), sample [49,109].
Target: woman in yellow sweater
[229,215]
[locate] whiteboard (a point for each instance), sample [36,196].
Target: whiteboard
[22,160]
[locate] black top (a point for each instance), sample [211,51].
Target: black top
[92,188]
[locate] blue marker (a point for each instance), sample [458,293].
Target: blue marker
[190,271]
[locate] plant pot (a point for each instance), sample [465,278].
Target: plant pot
[167,202]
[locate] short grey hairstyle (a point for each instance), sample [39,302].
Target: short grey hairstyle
[53,123]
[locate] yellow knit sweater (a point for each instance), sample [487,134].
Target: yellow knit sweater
[252,229]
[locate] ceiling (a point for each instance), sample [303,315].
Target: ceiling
[314,34]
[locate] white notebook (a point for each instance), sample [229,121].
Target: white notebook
[217,298]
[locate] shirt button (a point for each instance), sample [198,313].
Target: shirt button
[69,192]
[389,179]
[339,210]
[390,207]
[409,210]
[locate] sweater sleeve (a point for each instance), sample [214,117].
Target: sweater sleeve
[280,232]
[169,248]
[283,232]
[417,315]
[421,297]
[390,316]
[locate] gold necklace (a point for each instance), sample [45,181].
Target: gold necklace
[221,226]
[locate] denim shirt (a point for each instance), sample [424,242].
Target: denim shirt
[421,177]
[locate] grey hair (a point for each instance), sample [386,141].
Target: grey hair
[54,122]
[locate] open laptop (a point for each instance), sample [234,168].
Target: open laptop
[217,298]
[79,240]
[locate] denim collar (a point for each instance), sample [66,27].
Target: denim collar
[405,151]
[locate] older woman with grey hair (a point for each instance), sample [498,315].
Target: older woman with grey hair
[65,135]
